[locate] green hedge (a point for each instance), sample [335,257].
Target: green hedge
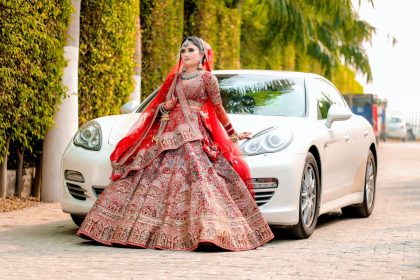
[219,23]
[106,64]
[164,24]
[162,28]
[31,68]
[229,36]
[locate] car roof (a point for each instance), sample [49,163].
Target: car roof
[266,72]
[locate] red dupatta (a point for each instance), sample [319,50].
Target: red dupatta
[141,134]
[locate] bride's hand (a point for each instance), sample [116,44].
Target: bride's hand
[244,135]
[169,104]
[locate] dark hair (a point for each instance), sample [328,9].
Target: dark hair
[196,41]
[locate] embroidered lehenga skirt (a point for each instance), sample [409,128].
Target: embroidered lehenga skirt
[180,199]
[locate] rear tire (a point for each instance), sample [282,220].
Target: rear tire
[364,209]
[308,200]
[77,219]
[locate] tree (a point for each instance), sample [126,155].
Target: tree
[31,63]
[327,32]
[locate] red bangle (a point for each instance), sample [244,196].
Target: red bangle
[229,128]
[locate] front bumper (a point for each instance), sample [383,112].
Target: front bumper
[281,209]
[79,197]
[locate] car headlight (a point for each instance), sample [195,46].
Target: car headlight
[270,140]
[89,136]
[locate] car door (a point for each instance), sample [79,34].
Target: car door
[336,168]
[361,132]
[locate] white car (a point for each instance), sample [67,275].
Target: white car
[398,128]
[309,154]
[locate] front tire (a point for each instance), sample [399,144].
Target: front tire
[364,209]
[77,219]
[308,200]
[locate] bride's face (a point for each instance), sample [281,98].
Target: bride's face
[190,55]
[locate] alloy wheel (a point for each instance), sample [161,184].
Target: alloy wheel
[370,182]
[308,196]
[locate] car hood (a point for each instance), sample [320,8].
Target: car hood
[241,123]
[121,127]
[256,123]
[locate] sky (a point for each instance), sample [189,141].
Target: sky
[395,69]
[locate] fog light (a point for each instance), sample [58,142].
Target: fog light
[265,182]
[74,176]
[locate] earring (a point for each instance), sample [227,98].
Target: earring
[183,69]
[200,66]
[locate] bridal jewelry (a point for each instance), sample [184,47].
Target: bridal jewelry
[189,75]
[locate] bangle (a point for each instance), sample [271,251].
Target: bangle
[163,110]
[229,128]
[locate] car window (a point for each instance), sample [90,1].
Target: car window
[269,95]
[326,95]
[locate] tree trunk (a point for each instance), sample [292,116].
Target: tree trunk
[3,172]
[19,173]
[66,116]
[36,188]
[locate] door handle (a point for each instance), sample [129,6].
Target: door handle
[346,137]
[365,132]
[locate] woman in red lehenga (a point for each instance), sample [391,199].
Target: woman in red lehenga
[178,180]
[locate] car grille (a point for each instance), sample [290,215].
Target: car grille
[98,190]
[264,189]
[77,191]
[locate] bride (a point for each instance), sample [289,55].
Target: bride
[178,180]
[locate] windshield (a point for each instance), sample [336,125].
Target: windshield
[266,95]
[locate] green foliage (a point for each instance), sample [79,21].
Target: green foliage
[325,32]
[218,23]
[229,37]
[31,68]
[306,35]
[162,29]
[345,80]
[106,64]
[257,51]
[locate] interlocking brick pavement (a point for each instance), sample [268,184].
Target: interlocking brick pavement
[40,242]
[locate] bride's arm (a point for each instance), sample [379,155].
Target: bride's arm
[224,119]
[212,89]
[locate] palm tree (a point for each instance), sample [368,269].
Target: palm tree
[328,32]
[338,39]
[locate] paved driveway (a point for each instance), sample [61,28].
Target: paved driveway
[40,242]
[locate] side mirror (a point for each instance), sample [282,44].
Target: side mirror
[130,107]
[337,113]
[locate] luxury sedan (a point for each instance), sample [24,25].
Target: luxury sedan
[309,153]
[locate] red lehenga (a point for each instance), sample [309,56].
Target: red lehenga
[180,191]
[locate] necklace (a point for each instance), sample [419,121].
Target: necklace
[189,75]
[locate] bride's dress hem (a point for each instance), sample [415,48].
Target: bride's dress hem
[86,236]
